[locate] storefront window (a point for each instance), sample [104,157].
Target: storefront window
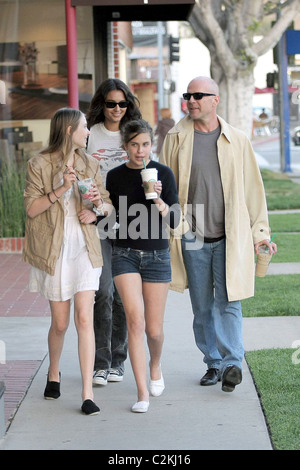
[33,86]
[33,65]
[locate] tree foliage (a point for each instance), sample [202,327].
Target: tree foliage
[228,28]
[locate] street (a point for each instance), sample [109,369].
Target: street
[268,154]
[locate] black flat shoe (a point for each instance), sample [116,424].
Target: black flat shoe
[90,408]
[52,390]
[232,376]
[211,377]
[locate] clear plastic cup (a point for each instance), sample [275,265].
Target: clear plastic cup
[84,188]
[149,178]
[263,260]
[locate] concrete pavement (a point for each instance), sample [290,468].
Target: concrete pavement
[186,417]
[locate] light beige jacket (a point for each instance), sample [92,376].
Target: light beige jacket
[44,233]
[246,216]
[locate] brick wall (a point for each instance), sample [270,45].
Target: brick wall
[11,245]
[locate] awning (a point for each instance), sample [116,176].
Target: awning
[142,10]
[272,90]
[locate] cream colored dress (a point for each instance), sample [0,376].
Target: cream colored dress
[74,271]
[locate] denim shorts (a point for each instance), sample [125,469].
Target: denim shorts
[153,266]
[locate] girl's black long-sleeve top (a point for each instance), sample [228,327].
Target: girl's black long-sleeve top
[141,226]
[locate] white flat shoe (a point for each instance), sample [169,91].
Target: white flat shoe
[140,407]
[157,386]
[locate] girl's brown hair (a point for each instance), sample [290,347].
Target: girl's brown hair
[60,141]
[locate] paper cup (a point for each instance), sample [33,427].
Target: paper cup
[149,178]
[262,261]
[84,187]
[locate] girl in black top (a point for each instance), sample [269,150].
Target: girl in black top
[141,260]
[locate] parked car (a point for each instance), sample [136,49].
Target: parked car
[296,136]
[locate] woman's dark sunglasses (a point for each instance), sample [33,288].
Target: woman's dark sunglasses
[197,96]
[113,104]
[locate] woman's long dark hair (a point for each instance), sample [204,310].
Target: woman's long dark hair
[95,112]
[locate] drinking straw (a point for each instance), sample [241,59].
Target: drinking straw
[272,238]
[144,163]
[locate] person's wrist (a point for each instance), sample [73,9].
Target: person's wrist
[56,195]
[162,207]
[49,198]
[100,204]
[59,191]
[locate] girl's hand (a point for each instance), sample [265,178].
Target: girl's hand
[94,195]
[69,176]
[86,216]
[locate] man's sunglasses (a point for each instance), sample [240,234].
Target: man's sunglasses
[113,104]
[197,96]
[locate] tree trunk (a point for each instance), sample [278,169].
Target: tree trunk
[236,94]
[227,28]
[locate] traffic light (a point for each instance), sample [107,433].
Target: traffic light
[270,80]
[173,49]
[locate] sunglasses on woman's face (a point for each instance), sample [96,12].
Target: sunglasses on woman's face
[113,104]
[197,96]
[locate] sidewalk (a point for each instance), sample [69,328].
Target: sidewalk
[185,417]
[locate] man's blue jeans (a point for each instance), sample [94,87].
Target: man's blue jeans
[109,318]
[217,322]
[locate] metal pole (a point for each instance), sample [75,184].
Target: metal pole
[72,55]
[160,67]
[284,109]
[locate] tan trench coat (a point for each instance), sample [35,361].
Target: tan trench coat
[246,216]
[44,233]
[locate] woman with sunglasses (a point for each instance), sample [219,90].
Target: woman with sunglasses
[216,171]
[111,107]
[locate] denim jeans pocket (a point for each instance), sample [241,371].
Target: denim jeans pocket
[119,251]
[162,256]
